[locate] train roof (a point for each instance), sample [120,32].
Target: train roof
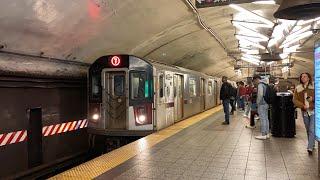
[154,62]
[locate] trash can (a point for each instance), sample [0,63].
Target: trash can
[283,118]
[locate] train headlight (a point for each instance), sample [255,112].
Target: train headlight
[141,119]
[95,116]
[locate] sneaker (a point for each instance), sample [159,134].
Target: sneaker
[309,151]
[256,118]
[268,135]
[244,115]
[225,123]
[250,127]
[261,137]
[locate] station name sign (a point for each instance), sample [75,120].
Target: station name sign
[211,3]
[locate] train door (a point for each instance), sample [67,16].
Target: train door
[216,92]
[178,97]
[115,99]
[202,94]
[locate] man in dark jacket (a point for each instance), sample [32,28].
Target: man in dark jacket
[225,94]
[233,98]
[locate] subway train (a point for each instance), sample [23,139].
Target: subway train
[131,96]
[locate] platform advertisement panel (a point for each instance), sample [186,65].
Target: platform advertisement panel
[317,88]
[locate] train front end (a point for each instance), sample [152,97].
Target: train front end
[120,96]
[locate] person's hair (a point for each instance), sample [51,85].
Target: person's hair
[256,77]
[309,76]
[224,77]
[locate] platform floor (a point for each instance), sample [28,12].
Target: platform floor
[209,150]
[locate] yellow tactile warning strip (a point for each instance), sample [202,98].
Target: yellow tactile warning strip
[99,165]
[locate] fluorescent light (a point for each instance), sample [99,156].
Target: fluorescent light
[304,22]
[291,49]
[250,38]
[285,69]
[284,55]
[246,30]
[253,57]
[264,2]
[252,24]
[296,33]
[298,38]
[249,13]
[285,61]
[249,51]
[272,42]
[249,43]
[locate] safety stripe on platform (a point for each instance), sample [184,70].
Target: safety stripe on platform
[100,165]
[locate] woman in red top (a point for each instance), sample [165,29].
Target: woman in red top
[249,90]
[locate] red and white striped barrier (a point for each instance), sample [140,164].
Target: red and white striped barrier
[20,136]
[13,137]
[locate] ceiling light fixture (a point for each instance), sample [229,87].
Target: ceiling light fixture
[296,33]
[250,38]
[249,43]
[297,38]
[249,13]
[264,2]
[246,30]
[252,24]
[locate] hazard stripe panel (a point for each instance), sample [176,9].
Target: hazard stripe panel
[20,136]
[99,165]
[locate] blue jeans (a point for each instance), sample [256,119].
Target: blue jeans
[241,101]
[263,115]
[309,124]
[226,103]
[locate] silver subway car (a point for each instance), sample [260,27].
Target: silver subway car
[130,96]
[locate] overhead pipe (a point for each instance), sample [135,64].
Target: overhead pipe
[204,26]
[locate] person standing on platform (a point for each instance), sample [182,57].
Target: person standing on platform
[225,94]
[242,95]
[233,96]
[262,107]
[249,90]
[304,98]
[253,108]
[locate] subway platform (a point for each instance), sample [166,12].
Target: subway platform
[201,148]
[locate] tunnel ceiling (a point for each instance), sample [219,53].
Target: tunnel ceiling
[166,31]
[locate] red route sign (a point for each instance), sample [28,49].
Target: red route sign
[115,61]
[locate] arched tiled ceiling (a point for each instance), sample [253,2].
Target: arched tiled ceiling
[166,31]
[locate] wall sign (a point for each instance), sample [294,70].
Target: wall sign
[317,87]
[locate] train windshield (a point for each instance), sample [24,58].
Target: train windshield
[119,85]
[139,85]
[95,86]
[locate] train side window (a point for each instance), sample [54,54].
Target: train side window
[95,83]
[192,88]
[210,87]
[139,85]
[161,86]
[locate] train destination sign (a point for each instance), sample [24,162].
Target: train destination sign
[317,88]
[211,3]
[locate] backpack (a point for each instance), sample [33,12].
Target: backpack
[268,94]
